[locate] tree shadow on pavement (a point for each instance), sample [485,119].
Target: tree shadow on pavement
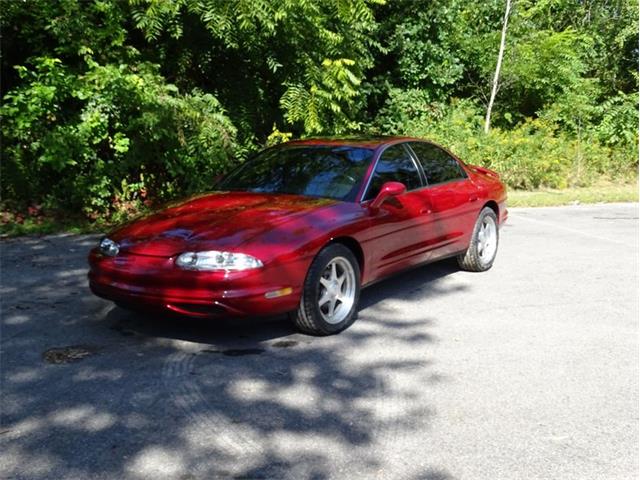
[156,397]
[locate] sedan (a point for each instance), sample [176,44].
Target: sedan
[301,228]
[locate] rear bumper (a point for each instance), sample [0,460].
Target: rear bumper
[154,283]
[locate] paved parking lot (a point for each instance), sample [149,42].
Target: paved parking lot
[527,371]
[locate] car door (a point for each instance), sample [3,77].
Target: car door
[396,235]
[452,196]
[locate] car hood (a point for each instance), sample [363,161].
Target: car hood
[224,220]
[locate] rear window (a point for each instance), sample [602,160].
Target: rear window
[438,165]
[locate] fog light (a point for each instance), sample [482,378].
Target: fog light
[279,293]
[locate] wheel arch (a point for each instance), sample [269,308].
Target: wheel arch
[353,245]
[493,205]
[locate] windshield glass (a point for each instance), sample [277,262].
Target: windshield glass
[315,171]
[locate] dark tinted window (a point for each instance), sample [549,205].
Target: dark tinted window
[395,165]
[438,165]
[322,171]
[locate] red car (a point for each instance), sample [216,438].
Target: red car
[301,228]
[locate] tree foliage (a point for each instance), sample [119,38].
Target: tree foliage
[115,133]
[110,103]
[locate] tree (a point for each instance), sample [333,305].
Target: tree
[496,77]
[298,62]
[105,99]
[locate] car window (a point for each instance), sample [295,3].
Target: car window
[395,165]
[438,165]
[316,171]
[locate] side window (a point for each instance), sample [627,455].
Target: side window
[438,165]
[395,165]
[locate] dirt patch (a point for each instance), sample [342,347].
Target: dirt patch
[73,353]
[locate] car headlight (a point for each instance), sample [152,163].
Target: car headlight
[109,247]
[215,260]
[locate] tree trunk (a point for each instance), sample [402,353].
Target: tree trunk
[494,86]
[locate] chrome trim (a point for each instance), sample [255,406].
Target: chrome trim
[366,188]
[416,161]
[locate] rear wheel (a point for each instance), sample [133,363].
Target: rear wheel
[483,247]
[331,292]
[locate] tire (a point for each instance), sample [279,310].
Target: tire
[329,304]
[483,247]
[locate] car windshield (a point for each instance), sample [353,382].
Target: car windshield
[316,171]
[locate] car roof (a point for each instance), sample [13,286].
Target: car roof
[363,142]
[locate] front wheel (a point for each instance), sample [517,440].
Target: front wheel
[330,293]
[483,247]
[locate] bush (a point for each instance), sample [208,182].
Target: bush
[534,154]
[618,120]
[107,139]
[407,110]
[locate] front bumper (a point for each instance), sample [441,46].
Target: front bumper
[155,283]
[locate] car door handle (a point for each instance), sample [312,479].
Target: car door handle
[473,198]
[425,211]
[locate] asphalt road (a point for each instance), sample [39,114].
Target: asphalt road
[527,371]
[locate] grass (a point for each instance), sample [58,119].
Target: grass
[45,226]
[600,193]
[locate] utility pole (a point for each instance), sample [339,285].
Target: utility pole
[496,77]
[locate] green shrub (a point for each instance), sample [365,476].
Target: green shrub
[108,139]
[618,120]
[533,154]
[407,110]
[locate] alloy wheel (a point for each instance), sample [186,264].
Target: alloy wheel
[487,239]
[337,290]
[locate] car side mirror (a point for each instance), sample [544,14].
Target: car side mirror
[388,190]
